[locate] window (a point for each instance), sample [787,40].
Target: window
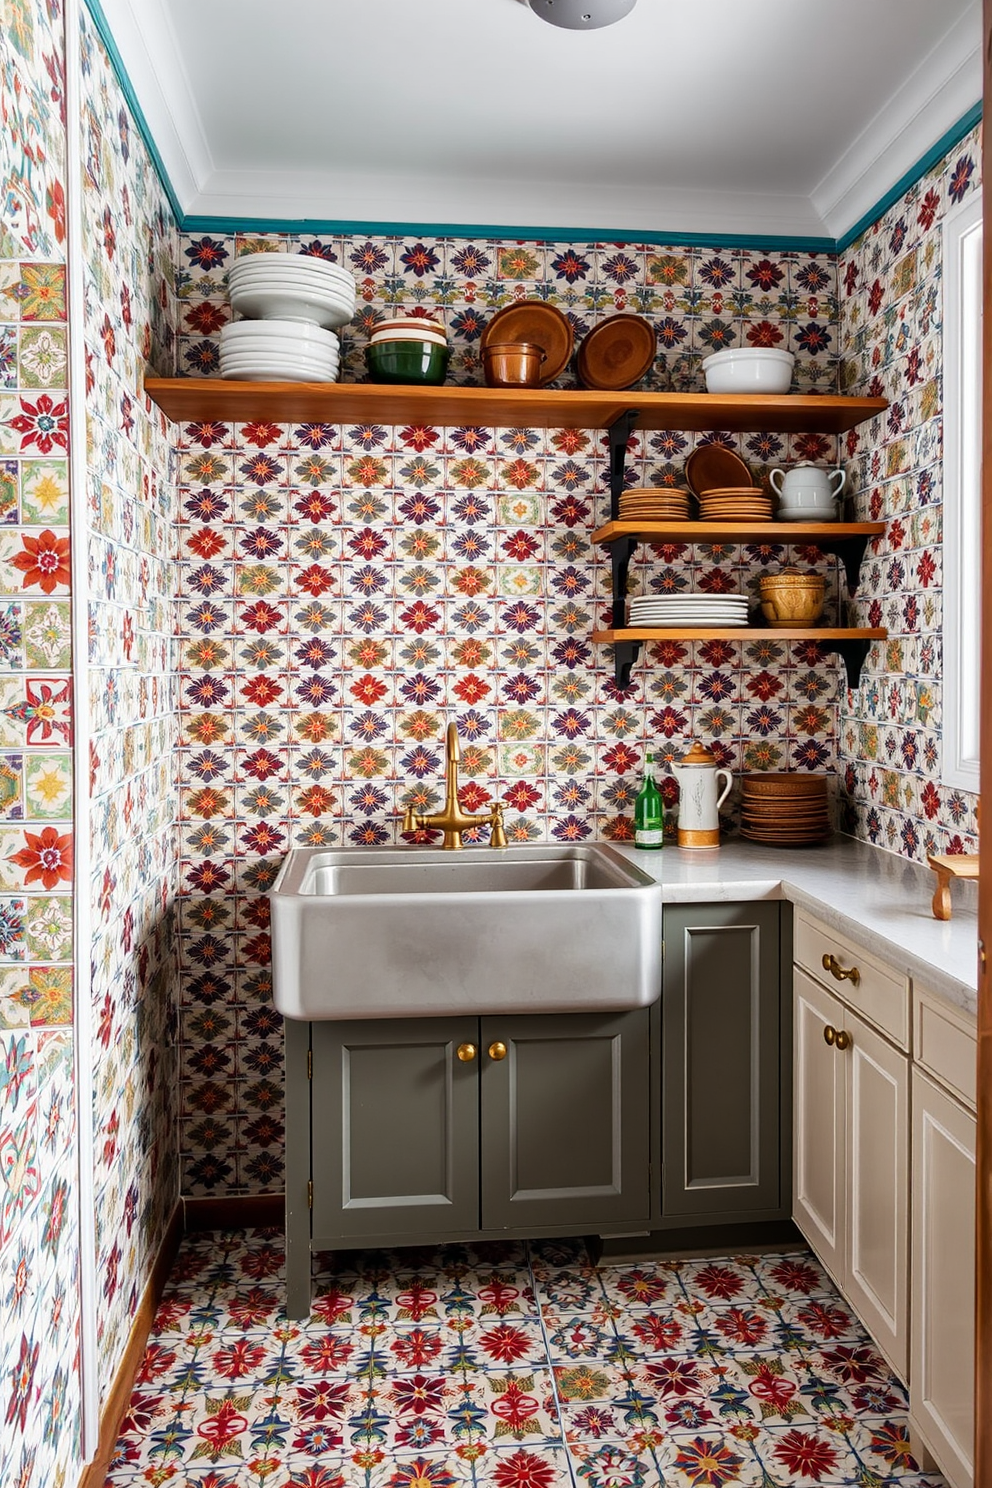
[962,491]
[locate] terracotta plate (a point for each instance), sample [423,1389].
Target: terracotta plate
[616,353]
[711,467]
[537,322]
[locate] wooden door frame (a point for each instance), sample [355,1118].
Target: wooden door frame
[983,1268]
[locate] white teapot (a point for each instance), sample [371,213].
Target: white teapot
[807,493]
[698,778]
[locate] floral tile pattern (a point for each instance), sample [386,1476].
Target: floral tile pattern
[890,315]
[39,1223]
[511,1367]
[130,699]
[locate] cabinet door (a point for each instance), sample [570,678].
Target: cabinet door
[877,1164]
[721,1060]
[395,1129]
[943,1344]
[565,1120]
[818,1197]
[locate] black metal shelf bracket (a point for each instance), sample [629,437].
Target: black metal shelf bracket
[850,551]
[619,432]
[853,653]
[625,653]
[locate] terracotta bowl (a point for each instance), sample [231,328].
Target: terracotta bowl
[512,364]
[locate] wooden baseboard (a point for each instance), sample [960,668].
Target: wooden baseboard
[239,1212]
[94,1475]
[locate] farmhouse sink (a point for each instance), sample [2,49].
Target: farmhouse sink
[416,932]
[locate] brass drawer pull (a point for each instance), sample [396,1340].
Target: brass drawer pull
[831,964]
[843,1040]
[497,1051]
[466,1053]
[829,1035]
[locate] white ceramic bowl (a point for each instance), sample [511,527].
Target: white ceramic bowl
[317,371]
[808,513]
[299,265]
[273,370]
[322,308]
[301,334]
[261,284]
[281,350]
[406,333]
[749,369]
[280,353]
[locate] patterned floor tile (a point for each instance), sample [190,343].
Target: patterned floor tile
[486,1369]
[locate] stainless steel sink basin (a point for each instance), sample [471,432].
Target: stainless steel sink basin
[414,932]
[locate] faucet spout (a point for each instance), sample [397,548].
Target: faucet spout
[453,821]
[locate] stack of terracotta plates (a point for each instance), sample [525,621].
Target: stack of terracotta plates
[784,810]
[655,504]
[735,504]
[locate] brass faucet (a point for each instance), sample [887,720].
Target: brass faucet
[453,821]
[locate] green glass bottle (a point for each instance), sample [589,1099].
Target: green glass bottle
[649,812]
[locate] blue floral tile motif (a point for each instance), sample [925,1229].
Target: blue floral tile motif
[510,1365]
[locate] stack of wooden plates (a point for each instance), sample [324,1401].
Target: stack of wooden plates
[784,810]
[735,504]
[655,504]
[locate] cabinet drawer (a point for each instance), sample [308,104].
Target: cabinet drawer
[944,1041]
[879,993]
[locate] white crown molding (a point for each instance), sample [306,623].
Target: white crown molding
[604,208]
[144,37]
[942,89]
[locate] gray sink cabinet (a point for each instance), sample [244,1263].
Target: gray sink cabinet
[412,1131]
[671,1123]
[722,1054]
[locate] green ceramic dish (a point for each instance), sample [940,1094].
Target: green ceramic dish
[406,361]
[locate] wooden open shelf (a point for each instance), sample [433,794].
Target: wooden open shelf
[850,643]
[189,399]
[740,633]
[736,532]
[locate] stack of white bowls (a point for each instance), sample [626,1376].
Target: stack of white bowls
[278,351]
[292,304]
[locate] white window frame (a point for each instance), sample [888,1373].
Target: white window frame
[962,496]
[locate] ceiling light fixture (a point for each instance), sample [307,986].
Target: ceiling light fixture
[581,15]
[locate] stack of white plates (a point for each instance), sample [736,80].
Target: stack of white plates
[278,351]
[291,286]
[660,610]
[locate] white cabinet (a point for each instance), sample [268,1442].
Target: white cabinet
[942,1377]
[851,1159]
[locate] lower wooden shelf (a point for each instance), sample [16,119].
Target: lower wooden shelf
[739,633]
[851,643]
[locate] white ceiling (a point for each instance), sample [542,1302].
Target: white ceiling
[779,117]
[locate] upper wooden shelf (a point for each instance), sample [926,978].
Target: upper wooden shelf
[199,399]
[736,532]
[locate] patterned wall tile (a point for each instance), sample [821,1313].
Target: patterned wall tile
[890,319]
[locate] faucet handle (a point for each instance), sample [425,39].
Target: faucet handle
[497,837]
[409,820]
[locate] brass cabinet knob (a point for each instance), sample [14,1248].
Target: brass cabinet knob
[831,964]
[829,1034]
[466,1053]
[497,1051]
[843,1040]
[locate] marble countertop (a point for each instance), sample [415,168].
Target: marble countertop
[882,901]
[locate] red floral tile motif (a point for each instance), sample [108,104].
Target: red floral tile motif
[44,562]
[408,1370]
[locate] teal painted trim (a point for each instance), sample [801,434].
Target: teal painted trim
[947,141]
[228,226]
[120,72]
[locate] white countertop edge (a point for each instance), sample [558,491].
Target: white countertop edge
[880,900]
